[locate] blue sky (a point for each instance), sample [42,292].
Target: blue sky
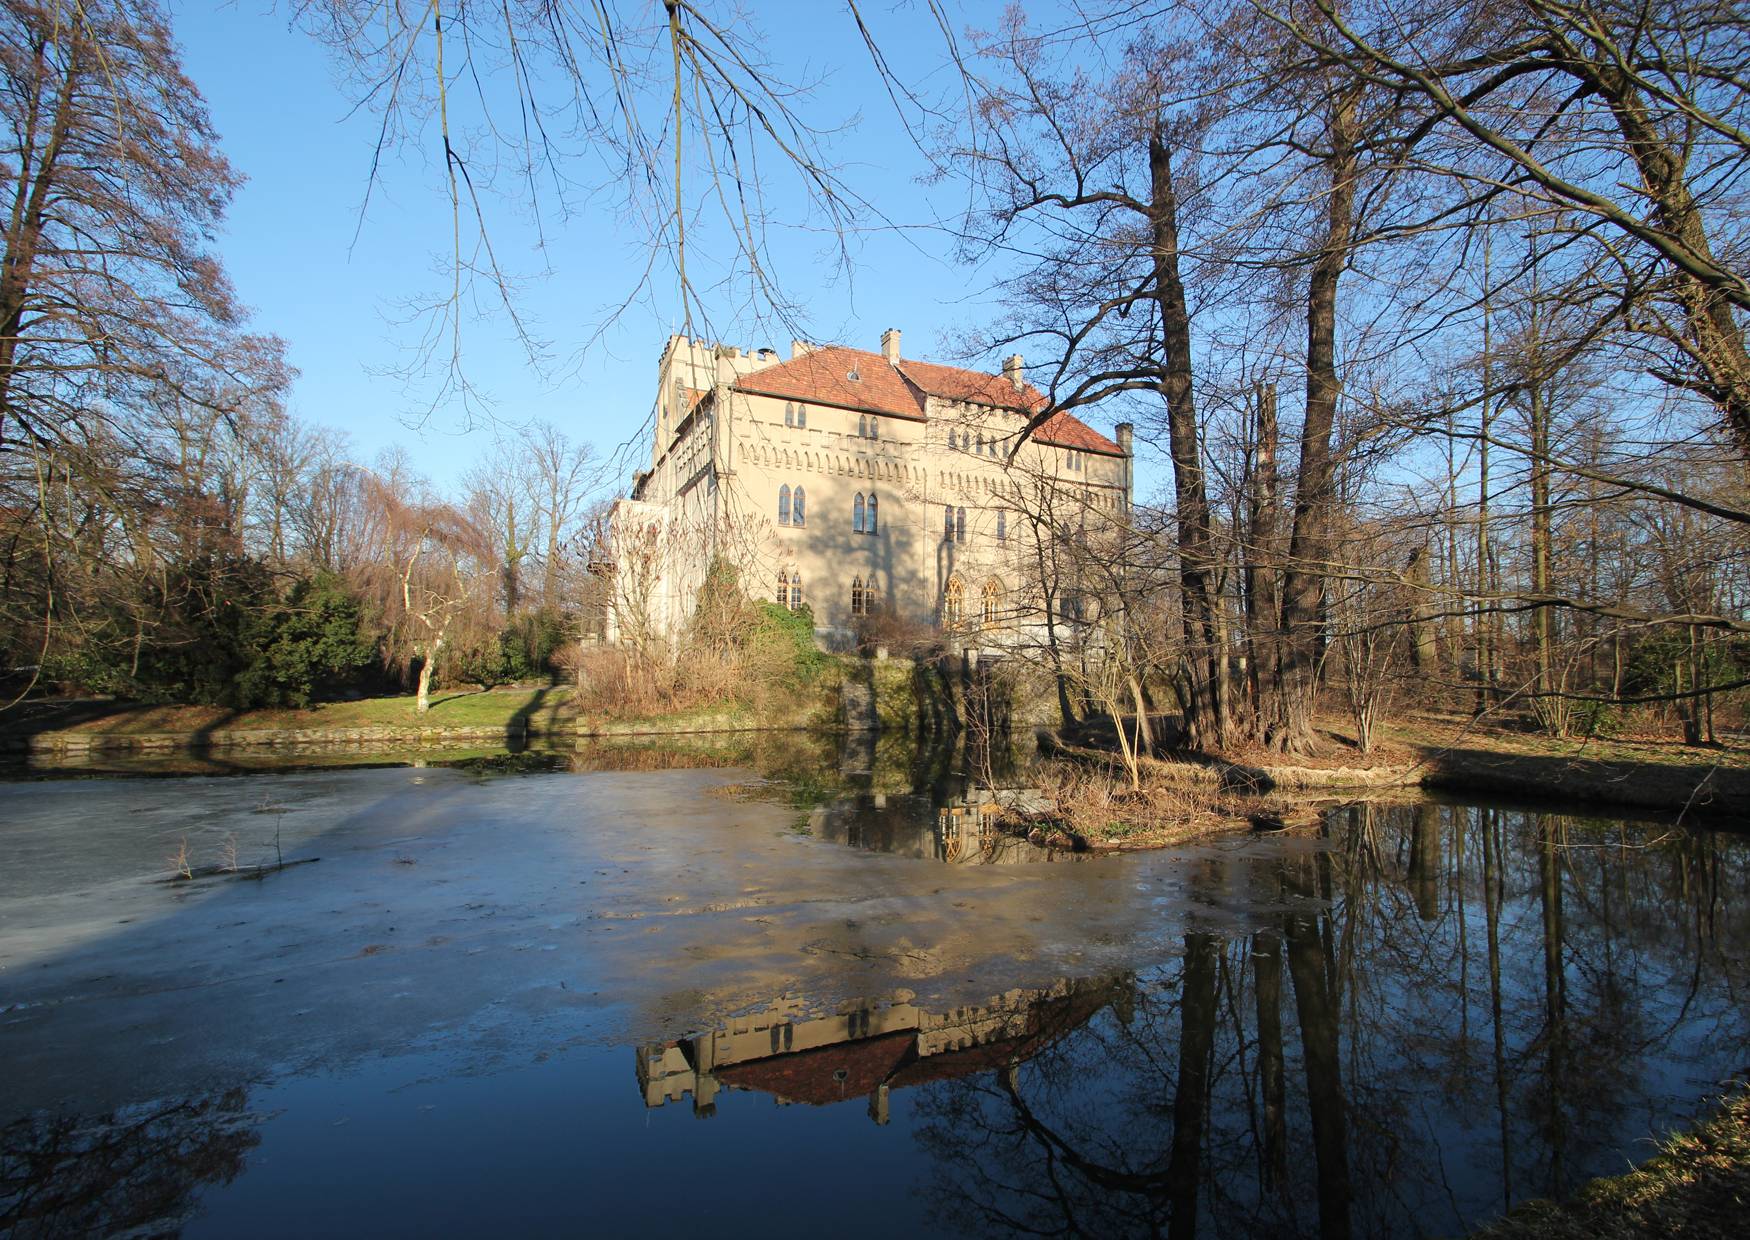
[290,246]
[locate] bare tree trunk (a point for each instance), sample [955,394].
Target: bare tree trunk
[423,702]
[1309,548]
[1263,583]
[1206,699]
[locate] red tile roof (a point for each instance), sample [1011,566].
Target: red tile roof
[821,376]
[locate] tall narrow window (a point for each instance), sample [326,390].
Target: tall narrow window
[862,426]
[874,428]
[784,505]
[798,513]
[953,602]
[1002,524]
[959,524]
[948,524]
[857,596]
[802,417]
[991,604]
[871,599]
[857,514]
[789,414]
[869,519]
[796,591]
[783,588]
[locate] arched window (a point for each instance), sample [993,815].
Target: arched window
[981,443]
[789,414]
[871,599]
[953,602]
[1002,524]
[783,588]
[857,514]
[857,596]
[990,604]
[869,525]
[862,427]
[784,505]
[948,523]
[796,591]
[798,513]
[959,520]
[801,417]
[874,428]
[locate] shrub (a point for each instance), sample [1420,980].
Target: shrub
[304,648]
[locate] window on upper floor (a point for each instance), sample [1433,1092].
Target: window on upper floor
[869,522]
[862,426]
[801,417]
[784,505]
[1002,525]
[960,525]
[789,414]
[857,514]
[874,428]
[798,508]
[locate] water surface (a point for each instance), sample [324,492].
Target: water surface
[799,987]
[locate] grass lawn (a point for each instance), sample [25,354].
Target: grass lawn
[450,708]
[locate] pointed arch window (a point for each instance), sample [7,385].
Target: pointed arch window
[783,588]
[862,426]
[991,603]
[959,524]
[801,417]
[948,523]
[789,414]
[798,509]
[1002,525]
[869,523]
[857,514]
[874,428]
[784,505]
[953,602]
[858,601]
[796,591]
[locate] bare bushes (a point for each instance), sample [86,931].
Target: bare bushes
[736,652]
[1096,804]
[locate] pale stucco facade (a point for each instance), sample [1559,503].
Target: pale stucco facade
[856,480]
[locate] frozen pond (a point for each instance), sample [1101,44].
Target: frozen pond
[484,999]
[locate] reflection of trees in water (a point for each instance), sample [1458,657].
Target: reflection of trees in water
[125,1171]
[1457,1009]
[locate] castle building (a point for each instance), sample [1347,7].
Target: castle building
[858,484]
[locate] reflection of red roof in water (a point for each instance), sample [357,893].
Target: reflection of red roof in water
[813,1076]
[891,1059]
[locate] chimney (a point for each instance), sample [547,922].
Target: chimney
[890,345]
[1012,371]
[1126,434]
[800,348]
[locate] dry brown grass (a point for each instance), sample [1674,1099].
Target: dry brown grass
[1100,806]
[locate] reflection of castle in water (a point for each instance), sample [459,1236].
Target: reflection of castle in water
[868,1048]
[962,830]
